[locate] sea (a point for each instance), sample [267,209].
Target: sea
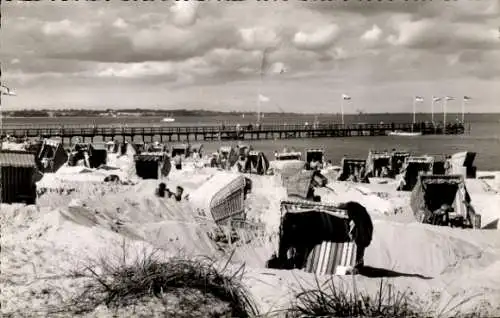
[482,136]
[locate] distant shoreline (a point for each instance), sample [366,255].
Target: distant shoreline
[134,113]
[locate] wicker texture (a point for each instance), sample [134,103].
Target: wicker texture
[220,196]
[17,159]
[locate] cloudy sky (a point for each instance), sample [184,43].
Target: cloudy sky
[208,55]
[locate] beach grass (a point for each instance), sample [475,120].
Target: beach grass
[197,284]
[335,298]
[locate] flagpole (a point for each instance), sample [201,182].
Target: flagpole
[463,110]
[444,114]
[414,103]
[342,108]
[258,108]
[432,110]
[1,123]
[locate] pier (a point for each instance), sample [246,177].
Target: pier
[232,132]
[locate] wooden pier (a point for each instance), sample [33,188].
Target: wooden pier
[207,133]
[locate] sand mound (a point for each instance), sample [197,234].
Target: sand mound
[41,244]
[430,251]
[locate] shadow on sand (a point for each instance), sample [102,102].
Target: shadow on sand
[375,272]
[491,226]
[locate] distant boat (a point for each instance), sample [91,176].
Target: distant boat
[405,133]
[169,119]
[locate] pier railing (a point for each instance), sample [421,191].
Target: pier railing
[207,132]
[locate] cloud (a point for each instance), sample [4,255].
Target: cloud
[372,35]
[349,45]
[65,28]
[319,39]
[443,36]
[258,38]
[120,24]
[185,12]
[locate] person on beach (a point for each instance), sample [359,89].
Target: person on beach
[314,164]
[241,164]
[360,229]
[178,162]
[178,194]
[447,165]
[161,190]
[196,156]
[213,160]
[441,216]
[362,174]
[384,172]
[356,174]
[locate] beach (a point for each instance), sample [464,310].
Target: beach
[43,244]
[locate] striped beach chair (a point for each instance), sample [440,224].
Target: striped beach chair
[327,258]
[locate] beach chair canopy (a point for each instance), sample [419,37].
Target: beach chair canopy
[432,191]
[348,162]
[304,225]
[373,155]
[287,167]
[180,149]
[51,156]
[150,165]
[225,149]
[242,148]
[99,146]
[298,184]
[17,159]
[295,155]
[257,163]
[400,153]
[397,160]
[149,156]
[463,159]
[81,146]
[18,175]
[317,154]
[415,166]
[52,142]
[197,148]
[221,197]
[377,160]
[419,159]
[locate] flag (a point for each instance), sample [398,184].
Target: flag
[263,98]
[346,97]
[419,99]
[449,98]
[7,91]
[467,98]
[436,99]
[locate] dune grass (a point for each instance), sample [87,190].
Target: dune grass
[335,299]
[119,285]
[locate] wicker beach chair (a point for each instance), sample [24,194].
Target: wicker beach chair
[331,252]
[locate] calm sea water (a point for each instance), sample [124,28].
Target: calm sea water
[484,137]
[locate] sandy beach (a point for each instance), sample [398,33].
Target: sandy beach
[43,244]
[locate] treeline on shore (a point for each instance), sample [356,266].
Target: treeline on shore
[120,112]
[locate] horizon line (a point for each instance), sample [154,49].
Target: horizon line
[138,110]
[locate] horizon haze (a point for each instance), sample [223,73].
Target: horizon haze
[208,55]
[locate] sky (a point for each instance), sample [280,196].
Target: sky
[208,55]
